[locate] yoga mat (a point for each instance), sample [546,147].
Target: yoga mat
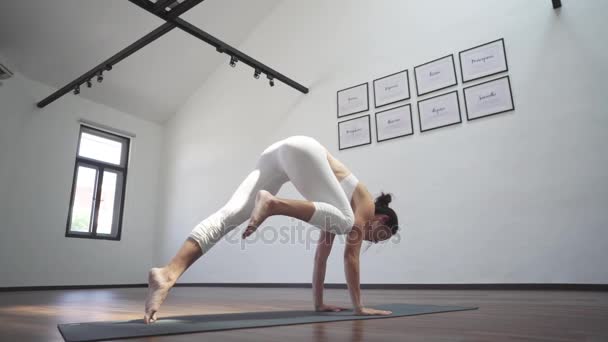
[100,331]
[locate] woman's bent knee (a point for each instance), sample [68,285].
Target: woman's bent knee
[331,219]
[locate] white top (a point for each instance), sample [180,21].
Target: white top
[348,184]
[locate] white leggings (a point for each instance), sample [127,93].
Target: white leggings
[299,159]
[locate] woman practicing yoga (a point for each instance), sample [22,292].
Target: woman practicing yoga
[336,202]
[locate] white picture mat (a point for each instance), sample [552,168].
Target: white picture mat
[392,89]
[394,123]
[354,132]
[482,61]
[439,111]
[353,100]
[435,75]
[488,98]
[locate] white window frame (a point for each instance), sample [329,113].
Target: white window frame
[100,167]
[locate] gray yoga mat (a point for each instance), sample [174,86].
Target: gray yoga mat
[100,331]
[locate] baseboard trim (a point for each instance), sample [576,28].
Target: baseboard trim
[69,287]
[532,286]
[504,286]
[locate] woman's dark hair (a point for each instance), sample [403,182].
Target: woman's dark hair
[382,208]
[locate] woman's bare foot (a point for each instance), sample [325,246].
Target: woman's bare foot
[261,211]
[159,284]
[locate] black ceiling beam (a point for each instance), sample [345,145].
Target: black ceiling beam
[108,63]
[124,53]
[220,45]
[557,3]
[171,17]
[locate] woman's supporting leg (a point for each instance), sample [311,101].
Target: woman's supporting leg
[162,279]
[208,232]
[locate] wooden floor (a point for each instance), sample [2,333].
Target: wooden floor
[503,315]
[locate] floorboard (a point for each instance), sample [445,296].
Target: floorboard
[503,315]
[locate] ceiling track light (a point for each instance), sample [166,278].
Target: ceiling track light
[257,73]
[271,80]
[100,76]
[108,67]
[172,5]
[89,83]
[233,61]
[77,90]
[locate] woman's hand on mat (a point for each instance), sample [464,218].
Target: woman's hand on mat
[329,308]
[371,312]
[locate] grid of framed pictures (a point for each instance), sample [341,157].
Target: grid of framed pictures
[480,100]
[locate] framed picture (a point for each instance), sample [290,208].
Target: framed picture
[394,123]
[439,111]
[488,98]
[435,75]
[484,60]
[392,89]
[354,132]
[353,100]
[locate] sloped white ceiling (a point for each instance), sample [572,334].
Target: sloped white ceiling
[56,41]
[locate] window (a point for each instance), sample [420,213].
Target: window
[98,189]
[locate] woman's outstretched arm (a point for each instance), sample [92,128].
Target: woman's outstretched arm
[326,240]
[351,265]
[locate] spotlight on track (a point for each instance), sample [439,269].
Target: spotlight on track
[233,61]
[100,76]
[108,67]
[89,83]
[257,73]
[271,81]
[77,90]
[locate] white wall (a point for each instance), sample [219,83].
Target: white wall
[37,151]
[515,198]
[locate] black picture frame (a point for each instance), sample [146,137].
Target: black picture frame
[430,98]
[338,100]
[399,136]
[340,148]
[438,89]
[491,114]
[409,88]
[504,49]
